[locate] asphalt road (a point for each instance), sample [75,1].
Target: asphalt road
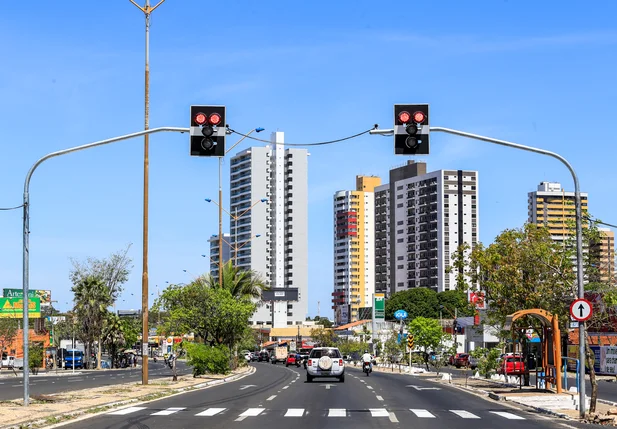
[11,387]
[279,398]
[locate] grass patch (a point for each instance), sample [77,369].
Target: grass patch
[117,390]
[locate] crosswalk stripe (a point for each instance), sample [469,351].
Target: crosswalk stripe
[211,412]
[422,413]
[294,412]
[128,410]
[252,412]
[337,412]
[168,411]
[507,415]
[379,412]
[464,414]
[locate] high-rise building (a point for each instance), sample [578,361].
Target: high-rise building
[214,253]
[605,256]
[269,194]
[421,219]
[553,207]
[354,254]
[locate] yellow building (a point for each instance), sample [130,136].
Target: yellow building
[354,249]
[605,249]
[553,207]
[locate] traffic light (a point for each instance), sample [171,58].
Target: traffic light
[411,129]
[208,130]
[410,341]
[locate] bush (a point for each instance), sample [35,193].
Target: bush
[487,360]
[207,360]
[35,357]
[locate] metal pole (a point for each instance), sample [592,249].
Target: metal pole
[26,229]
[220,264]
[236,237]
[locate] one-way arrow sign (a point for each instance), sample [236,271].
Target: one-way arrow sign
[246,386]
[581,310]
[423,388]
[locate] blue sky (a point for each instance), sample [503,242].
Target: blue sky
[538,73]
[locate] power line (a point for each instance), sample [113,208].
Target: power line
[599,222]
[304,144]
[11,208]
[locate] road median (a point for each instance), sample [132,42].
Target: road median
[58,408]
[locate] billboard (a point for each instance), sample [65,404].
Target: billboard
[14,307]
[379,306]
[43,295]
[280,294]
[476,298]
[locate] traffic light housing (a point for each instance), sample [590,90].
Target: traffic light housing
[410,341]
[208,129]
[411,129]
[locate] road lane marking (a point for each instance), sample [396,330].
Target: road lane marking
[211,412]
[379,412]
[422,413]
[125,411]
[286,387]
[168,411]
[251,412]
[337,412]
[507,415]
[369,387]
[294,412]
[379,398]
[464,414]
[393,418]
[271,398]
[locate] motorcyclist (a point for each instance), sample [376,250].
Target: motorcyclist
[366,357]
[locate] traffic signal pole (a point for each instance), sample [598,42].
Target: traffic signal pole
[579,228]
[26,229]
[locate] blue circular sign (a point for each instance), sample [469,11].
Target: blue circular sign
[400,314]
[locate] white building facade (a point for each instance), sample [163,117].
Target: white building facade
[269,194]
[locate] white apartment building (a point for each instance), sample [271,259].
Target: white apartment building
[214,253]
[269,193]
[421,219]
[354,250]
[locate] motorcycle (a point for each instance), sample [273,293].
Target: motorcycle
[366,368]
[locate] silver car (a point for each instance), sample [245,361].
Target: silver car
[325,362]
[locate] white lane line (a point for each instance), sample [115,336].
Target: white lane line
[286,387]
[294,412]
[393,418]
[168,411]
[507,415]
[125,411]
[252,412]
[464,414]
[422,413]
[337,412]
[369,387]
[379,412]
[271,398]
[379,398]
[211,412]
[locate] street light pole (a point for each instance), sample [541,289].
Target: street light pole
[147,10]
[579,229]
[221,222]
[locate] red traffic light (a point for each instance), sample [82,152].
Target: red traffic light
[200,118]
[404,117]
[419,117]
[214,119]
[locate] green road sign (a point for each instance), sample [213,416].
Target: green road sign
[43,295]
[379,304]
[14,307]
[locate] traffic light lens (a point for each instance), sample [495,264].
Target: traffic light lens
[404,117]
[207,131]
[419,117]
[412,129]
[207,143]
[214,119]
[200,118]
[411,142]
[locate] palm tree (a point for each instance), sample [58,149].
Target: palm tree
[113,335]
[240,282]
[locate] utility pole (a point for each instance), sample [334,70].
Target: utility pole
[147,10]
[221,222]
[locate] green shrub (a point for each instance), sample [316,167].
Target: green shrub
[207,360]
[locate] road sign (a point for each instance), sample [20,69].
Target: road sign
[379,306]
[580,310]
[14,307]
[400,315]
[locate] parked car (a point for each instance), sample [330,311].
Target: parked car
[325,362]
[512,365]
[461,359]
[473,362]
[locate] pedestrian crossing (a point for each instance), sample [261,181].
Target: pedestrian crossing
[240,415]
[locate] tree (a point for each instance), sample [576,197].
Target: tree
[92,297]
[240,282]
[8,332]
[392,347]
[113,271]
[327,323]
[418,302]
[113,335]
[323,336]
[428,335]
[487,359]
[455,302]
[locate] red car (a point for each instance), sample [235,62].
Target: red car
[293,360]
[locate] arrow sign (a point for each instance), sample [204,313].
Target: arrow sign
[247,386]
[581,310]
[327,386]
[423,388]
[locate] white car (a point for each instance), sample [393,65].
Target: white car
[325,362]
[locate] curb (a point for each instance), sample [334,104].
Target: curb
[83,414]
